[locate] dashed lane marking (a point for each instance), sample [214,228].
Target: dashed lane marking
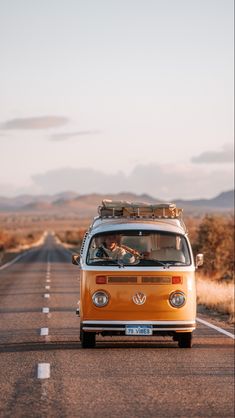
[221,330]
[44,331]
[43,371]
[45,310]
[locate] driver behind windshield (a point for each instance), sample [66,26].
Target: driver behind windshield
[111,249]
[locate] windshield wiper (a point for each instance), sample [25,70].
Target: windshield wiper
[119,263]
[175,262]
[169,263]
[162,263]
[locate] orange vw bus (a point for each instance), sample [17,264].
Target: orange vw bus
[137,274]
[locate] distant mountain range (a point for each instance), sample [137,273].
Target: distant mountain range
[86,205]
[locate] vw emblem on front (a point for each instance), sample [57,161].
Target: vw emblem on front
[139,298]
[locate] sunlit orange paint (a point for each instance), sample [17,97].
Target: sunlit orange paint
[121,307]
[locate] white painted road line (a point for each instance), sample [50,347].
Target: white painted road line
[12,261]
[43,371]
[44,331]
[45,310]
[221,330]
[46,295]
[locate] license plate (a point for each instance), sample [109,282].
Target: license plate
[139,330]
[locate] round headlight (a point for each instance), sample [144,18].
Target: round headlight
[177,299]
[100,299]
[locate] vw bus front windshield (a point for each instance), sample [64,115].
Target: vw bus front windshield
[138,248]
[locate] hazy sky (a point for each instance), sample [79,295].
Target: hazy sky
[116,95]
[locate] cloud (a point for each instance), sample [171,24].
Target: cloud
[9,190]
[40,122]
[67,135]
[83,180]
[160,181]
[223,156]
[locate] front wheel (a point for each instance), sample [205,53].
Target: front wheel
[87,339]
[185,339]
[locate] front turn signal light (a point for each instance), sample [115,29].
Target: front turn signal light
[176,280]
[101,280]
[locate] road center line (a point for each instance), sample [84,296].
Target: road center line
[43,371]
[221,330]
[44,331]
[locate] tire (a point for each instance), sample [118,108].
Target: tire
[185,340]
[87,339]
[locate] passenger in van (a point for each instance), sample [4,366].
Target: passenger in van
[169,249]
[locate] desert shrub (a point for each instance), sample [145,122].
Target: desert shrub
[215,239]
[216,295]
[12,240]
[72,237]
[6,240]
[31,237]
[3,237]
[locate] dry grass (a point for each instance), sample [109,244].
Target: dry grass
[216,295]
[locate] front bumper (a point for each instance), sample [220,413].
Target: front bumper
[118,327]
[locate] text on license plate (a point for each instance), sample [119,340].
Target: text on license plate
[139,330]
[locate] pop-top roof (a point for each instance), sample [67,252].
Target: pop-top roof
[126,209]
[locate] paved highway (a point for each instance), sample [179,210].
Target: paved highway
[45,373]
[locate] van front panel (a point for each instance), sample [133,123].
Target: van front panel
[151,287]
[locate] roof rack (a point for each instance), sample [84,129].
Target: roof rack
[126,209]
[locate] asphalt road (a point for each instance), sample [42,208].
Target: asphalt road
[45,373]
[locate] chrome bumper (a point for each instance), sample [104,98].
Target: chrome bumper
[119,326]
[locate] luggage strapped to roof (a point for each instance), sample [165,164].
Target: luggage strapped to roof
[126,209]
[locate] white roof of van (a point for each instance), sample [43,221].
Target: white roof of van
[105,225]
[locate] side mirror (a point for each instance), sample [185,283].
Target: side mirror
[76,259]
[199,260]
